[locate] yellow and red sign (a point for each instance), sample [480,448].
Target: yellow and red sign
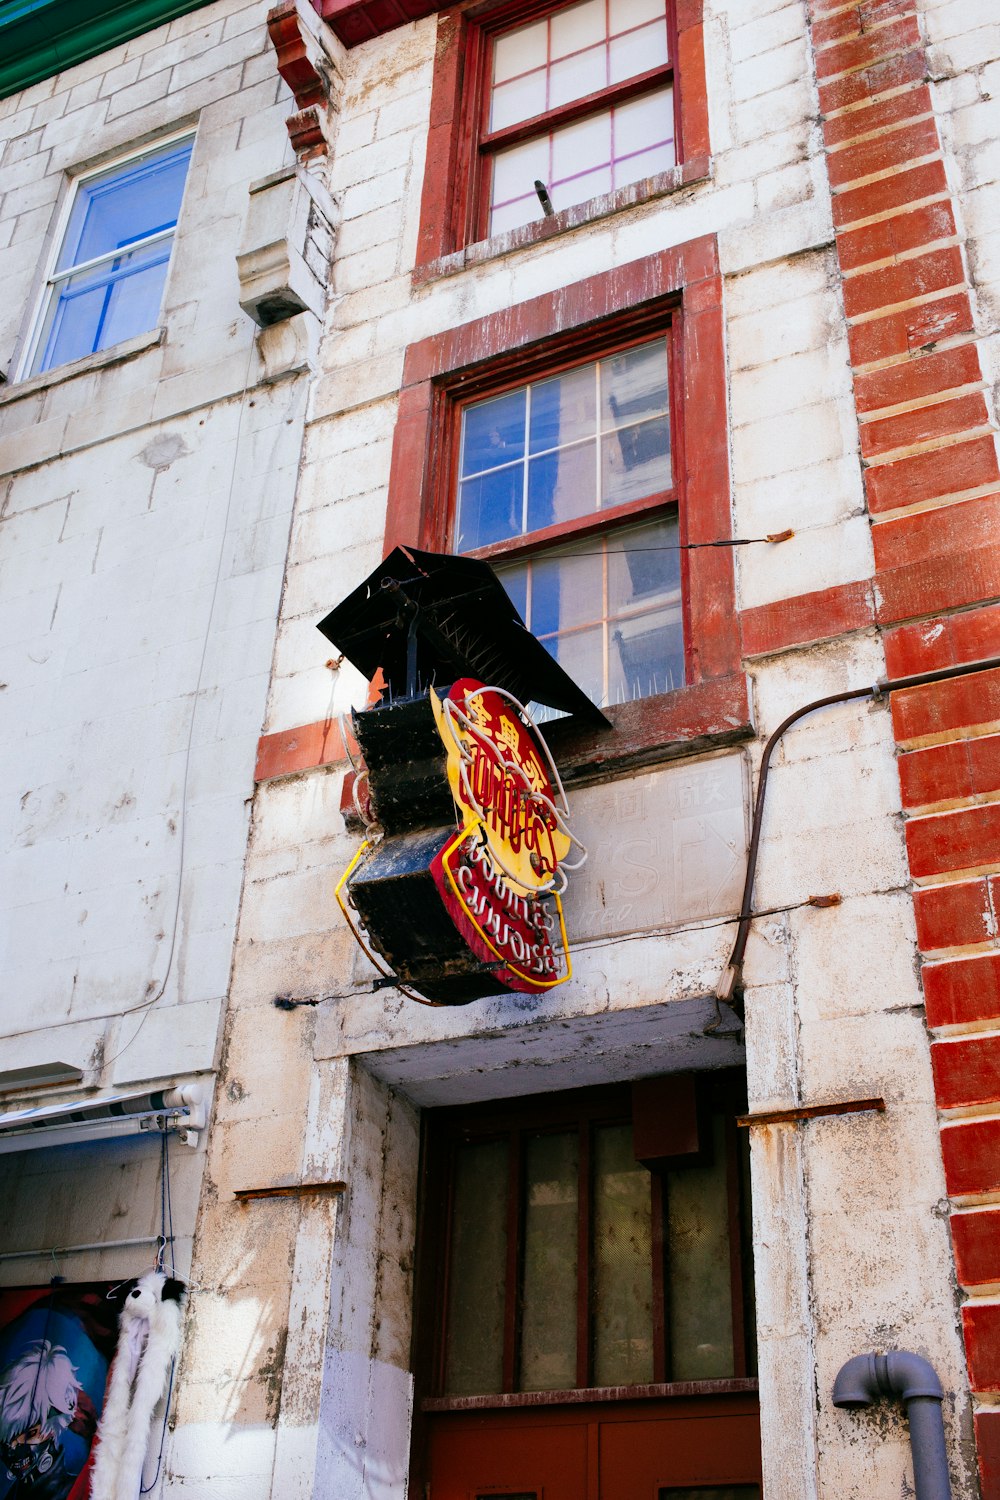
[501,875]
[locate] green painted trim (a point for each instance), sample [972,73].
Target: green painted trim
[36,41]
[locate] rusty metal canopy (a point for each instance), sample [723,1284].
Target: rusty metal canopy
[429,618]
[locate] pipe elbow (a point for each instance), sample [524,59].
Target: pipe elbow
[856,1384]
[910,1376]
[867,1377]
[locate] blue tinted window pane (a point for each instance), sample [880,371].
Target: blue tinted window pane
[545,596]
[134,303]
[490,508]
[564,408]
[589,439]
[71,332]
[635,384]
[516,584]
[101,307]
[608,609]
[561,486]
[493,432]
[580,655]
[125,204]
[635,461]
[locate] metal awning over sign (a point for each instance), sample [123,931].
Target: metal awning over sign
[427,618]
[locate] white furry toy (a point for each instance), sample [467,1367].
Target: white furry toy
[149,1334]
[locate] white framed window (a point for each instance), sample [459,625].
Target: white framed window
[105,284]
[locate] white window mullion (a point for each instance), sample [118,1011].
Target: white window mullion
[527,438]
[109,256]
[107,204]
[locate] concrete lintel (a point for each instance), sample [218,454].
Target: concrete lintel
[568,1053]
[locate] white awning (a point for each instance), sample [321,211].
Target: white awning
[99,1118]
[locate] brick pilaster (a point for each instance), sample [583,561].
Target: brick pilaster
[932,484]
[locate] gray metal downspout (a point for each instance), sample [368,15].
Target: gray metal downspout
[868,1377]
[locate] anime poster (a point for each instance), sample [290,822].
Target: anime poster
[56,1344]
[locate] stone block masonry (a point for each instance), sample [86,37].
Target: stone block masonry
[145,500]
[932,486]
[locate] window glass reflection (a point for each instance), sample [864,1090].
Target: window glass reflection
[540,443]
[608,609]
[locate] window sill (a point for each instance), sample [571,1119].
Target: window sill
[699,169]
[676,1389]
[116,355]
[703,716]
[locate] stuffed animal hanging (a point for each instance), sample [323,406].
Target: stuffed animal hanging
[148,1338]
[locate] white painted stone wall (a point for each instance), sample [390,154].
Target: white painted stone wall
[295,1377]
[851,1251]
[145,501]
[963,41]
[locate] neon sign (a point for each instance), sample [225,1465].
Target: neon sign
[502,875]
[494,881]
[456,892]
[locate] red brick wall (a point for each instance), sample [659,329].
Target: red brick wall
[933,491]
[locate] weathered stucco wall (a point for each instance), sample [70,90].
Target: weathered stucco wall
[851,1247]
[145,499]
[177,465]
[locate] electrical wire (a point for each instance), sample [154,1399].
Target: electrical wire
[729,988]
[166,1238]
[146,1005]
[736,541]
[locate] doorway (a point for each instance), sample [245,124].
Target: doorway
[584,1314]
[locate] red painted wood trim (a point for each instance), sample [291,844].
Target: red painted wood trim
[452,214]
[677,289]
[302,749]
[697,717]
[805,618]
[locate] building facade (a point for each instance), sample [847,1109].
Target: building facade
[684,317]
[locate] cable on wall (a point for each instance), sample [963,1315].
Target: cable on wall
[146,1005]
[730,986]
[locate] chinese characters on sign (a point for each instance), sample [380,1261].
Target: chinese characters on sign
[501,876]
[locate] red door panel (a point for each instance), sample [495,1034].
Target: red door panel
[472,1455]
[628,1450]
[637,1460]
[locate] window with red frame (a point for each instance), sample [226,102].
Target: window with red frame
[566,485]
[576,100]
